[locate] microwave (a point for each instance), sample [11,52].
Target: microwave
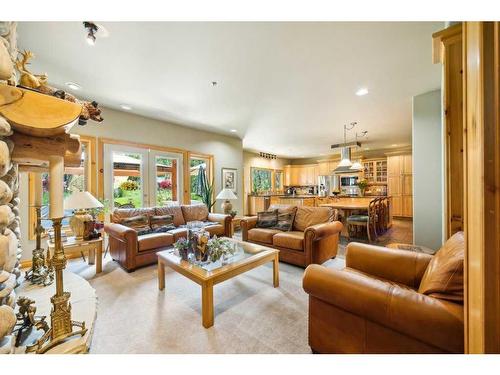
[349,180]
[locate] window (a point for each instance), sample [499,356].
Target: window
[197,165]
[137,176]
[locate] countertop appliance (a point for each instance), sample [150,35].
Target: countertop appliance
[348,180]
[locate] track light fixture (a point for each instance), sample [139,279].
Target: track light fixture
[265,155]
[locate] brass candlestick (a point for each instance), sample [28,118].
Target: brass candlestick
[40,273]
[60,316]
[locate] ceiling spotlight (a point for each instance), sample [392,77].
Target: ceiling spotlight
[233,130]
[91,30]
[125,107]
[362,91]
[214,83]
[394,145]
[73,85]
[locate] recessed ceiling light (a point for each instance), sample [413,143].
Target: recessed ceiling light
[125,107]
[73,85]
[233,130]
[394,145]
[214,83]
[362,91]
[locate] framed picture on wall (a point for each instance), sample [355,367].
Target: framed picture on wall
[230,179]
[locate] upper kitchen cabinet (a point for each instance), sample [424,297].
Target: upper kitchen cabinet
[301,175]
[325,167]
[375,170]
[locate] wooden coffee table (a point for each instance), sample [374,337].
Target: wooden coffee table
[248,256]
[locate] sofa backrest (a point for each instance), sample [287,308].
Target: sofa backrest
[307,216]
[283,208]
[444,276]
[194,212]
[174,210]
[122,213]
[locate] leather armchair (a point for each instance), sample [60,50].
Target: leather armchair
[373,306]
[224,220]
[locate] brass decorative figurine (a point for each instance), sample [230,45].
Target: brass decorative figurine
[60,317]
[41,272]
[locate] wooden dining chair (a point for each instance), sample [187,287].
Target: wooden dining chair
[369,221]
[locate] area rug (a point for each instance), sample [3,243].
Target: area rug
[250,315]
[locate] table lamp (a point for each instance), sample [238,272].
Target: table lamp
[226,194]
[80,202]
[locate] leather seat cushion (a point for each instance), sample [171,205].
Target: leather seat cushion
[444,276]
[194,212]
[178,233]
[289,240]
[174,210]
[215,229]
[123,213]
[263,235]
[307,216]
[154,241]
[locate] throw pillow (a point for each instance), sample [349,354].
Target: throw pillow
[285,221]
[161,221]
[267,219]
[139,223]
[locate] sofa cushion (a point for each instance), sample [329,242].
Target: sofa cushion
[195,212]
[289,240]
[139,223]
[174,210]
[444,276]
[263,235]
[267,219]
[154,241]
[215,230]
[122,213]
[157,221]
[178,233]
[307,216]
[285,221]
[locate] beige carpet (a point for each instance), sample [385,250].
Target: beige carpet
[250,315]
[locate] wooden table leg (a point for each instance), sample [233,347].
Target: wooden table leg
[161,275]
[207,304]
[92,255]
[276,271]
[98,261]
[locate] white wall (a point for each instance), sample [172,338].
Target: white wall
[427,170]
[227,151]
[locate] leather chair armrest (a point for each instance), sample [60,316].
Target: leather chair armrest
[433,321]
[120,232]
[322,230]
[224,220]
[402,266]
[247,224]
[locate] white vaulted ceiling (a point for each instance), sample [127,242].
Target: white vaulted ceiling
[287,88]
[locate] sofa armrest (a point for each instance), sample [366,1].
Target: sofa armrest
[433,321]
[224,220]
[319,231]
[405,267]
[120,232]
[247,224]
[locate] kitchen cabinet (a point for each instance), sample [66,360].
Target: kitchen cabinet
[400,184]
[257,204]
[375,171]
[301,175]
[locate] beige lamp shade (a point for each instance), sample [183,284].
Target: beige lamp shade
[81,200]
[226,194]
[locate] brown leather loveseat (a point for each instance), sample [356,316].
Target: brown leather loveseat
[314,236]
[131,250]
[388,301]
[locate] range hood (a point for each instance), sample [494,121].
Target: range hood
[345,165]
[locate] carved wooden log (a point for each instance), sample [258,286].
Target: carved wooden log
[7,320]
[6,218]
[8,250]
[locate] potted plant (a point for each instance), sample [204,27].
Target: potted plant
[363,184]
[182,246]
[219,248]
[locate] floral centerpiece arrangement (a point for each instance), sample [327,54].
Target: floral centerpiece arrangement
[200,248]
[363,184]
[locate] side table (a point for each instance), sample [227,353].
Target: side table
[94,248]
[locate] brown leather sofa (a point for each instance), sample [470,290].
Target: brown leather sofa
[132,251]
[388,301]
[314,236]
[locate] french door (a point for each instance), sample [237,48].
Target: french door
[138,177]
